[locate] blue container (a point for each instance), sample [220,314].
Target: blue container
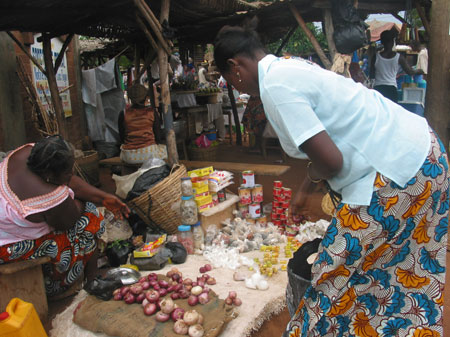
[211,135]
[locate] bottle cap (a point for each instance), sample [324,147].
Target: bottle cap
[186,197]
[184,228]
[186,178]
[197,224]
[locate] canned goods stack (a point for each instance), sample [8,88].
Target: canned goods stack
[280,205]
[251,198]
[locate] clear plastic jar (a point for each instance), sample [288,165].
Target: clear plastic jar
[186,187]
[188,210]
[185,237]
[199,237]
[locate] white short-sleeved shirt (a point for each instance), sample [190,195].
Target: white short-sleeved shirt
[373,133]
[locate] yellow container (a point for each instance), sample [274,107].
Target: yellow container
[20,320]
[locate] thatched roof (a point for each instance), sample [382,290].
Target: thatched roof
[195,20]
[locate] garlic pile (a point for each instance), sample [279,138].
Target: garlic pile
[312,230]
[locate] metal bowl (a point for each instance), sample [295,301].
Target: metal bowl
[126,275]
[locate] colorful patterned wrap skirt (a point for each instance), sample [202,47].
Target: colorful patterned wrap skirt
[380,269]
[69,250]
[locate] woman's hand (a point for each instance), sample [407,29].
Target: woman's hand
[116,206]
[300,206]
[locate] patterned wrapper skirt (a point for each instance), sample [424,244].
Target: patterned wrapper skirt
[380,269]
[69,250]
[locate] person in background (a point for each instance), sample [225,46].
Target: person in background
[139,129]
[380,268]
[254,121]
[386,64]
[202,71]
[45,210]
[175,63]
[422,57]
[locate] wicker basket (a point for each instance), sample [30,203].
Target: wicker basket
[155,205]
[88,165]
[203,154]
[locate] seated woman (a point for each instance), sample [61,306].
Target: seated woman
[45,210]
[139,129]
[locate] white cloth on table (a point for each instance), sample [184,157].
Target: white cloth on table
[185,100]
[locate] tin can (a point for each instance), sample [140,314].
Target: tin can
[262,221]
[250,220]
[248,178]
[277,199]
[283,216]
[276,192]
[215,199]
[285,204]
[243,209]
[275,204]
[277,184]
[254,210]
[257,193]
[277,223]
[222,195]
[279,210]
[287,193]
[275,216]
[245,195]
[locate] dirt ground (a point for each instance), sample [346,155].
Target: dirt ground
[292,179]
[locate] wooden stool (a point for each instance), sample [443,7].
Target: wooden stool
[24,279]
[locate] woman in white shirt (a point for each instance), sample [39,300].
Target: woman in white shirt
[386,64]
[380,268]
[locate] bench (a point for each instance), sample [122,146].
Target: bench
[25,280]
[258,169]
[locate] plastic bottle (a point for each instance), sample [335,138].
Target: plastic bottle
[185,237]
[188,210]
[199,237]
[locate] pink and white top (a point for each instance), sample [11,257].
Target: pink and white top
[13,211]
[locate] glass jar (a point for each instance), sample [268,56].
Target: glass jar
[199,237]
[188,210]
[185,237]
[186,187]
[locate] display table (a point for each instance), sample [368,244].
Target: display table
[257,306]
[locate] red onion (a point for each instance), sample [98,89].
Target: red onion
[117,291]
[194,284]
[203,298]
[229,301]
[136,289]
[143,279]
[152,296]
[188,287]
[166,305]
[196,331]
[174,296]
[156,287]
[163,284]
[180,327]
[176,277]
[192,300]
[201,283]
[162,317]
[124,290]
[191,317]
[118,297]
[206,277]
[237,301]
[206,290]
[178,287]
[200,318]
[153,275]
[187,281]
[184,294]
[129,298]
[232,295]
[177,314]
[153,282]
[171,289]
[202,270]
[150,309]
[140,298]
[145,285]
[162,292]
[208,267]
[211,281]
[145,302]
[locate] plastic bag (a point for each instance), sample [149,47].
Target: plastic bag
[178,252]
[156,262]
[203,141]
[147,180]
[349,30]
[117,252]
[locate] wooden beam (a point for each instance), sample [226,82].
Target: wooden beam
[62,51]
[373,7]
[235,115]
[285,40]
[147,33]
[148,16]
[398,17]
[31,57]
[51,78]
[329,31]
[438,99]
[326,62]
[423,17]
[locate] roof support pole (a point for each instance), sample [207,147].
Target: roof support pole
[20,45]
[329,31]
[285,40]
[437,98]
[60,57]
[51,78]
[423,17]
[326,62]
[165,106]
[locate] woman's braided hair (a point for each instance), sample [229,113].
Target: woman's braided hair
[51,156]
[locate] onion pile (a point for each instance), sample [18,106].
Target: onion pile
[191,324]
[232,299]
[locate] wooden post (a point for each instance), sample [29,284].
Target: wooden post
[423,17]
[60,57]
[326,62]
[51,78]
[285,40]
[165,107]
[329,31]
[235,115]
[36,63]
[437,104]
